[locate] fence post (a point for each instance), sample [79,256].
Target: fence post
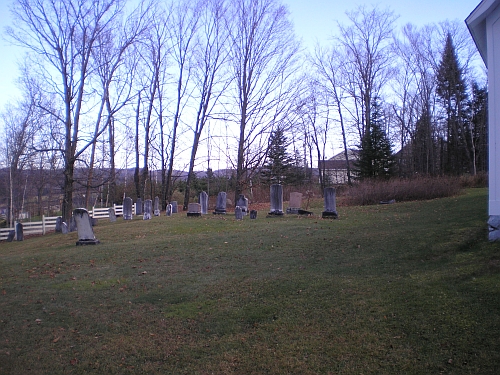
[43,225]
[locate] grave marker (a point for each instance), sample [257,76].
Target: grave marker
[276,200]
[330,211]
[220,206]
[148,208]
[127,208]
[194,209]
[204,202]
[85,232]
[157,207]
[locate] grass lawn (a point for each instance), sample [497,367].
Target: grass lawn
[409,288]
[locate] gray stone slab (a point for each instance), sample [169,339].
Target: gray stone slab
[253,214]
[204,202]
[85,232]
[11,235]
[242,202]
[148,209]
[220,206]
[276,200]
[494,228]
[112,215]
[238,213]
[59,222]
[175,207]
[19,232]
[64,228]
[157,206]
[330,211]
[295,200]
[169,210]
[127,208]
[194,209]
[139,207]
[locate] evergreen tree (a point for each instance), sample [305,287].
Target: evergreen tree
[279,166]
[375,157]
[451,90]
[478,114]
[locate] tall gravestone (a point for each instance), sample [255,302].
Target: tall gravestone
[220,206]
[276,200]
[194,209]
[112,215]
[238,213]
[148,209]
[19,232]
[330,211]
[64,228]
[168,210]
[138,207]
[253,214]
[59,221]
[204,202]
[174,207]
[127,208]
[295,203]
[157,207]
[85,232]
[242,202]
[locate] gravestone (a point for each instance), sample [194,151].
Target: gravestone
[194,209]
[127,208]
[157,207]
[204,202]
[64,228]
[253,214]
[330,211]
[238,213]
[19,232]
[169,210]
[59,222]
[174,207]
[138,207]
[220,206]
[112,215]
[276,200]
[11,235]
[295,203]
[242,202]
[85,232]
[148,209]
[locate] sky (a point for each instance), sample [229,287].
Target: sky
[314,21]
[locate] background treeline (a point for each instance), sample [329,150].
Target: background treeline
[164,87]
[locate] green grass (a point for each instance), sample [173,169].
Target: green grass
[409,288]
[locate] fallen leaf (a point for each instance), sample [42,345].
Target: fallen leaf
[56,339]
[38,321]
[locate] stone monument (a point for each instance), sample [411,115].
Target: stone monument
[253,214]
[127,208]
[295,203]
[330,211]
[138,207]
[194,209]
[276,200]
[112,215]
[168,210]
[157,206]
[174,207]
[204,202]
[85,232]
[242,202]
[238,213]
[148,209]
[19,232]
[220,206]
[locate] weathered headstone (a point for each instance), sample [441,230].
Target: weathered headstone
[138,207]
[220,206]
[204,202]
[238,213]
[19,232]
[148,209]
[85,232]
[242,202]
[295,203]
[157,206]
[169,210]
[276,200]
[59,222]
[174,207]
[194,209]
[11,235]
[494,228]
[253,214]
[64,228]
[112,215]
[330,211]
[127,208]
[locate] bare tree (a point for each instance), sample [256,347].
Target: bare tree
[62,35]
[209,75]
[264,60]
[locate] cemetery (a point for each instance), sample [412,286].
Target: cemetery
[361,292]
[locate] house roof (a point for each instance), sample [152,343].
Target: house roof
[476,22]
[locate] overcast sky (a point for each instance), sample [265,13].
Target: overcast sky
[314,20]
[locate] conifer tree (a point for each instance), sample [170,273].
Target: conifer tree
[375,158]
[279,165]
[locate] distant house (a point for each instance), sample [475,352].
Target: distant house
[336,167]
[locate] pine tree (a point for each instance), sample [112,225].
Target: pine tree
[279,164]
[451,90]
[376,159]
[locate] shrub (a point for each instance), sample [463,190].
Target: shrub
[421,188]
